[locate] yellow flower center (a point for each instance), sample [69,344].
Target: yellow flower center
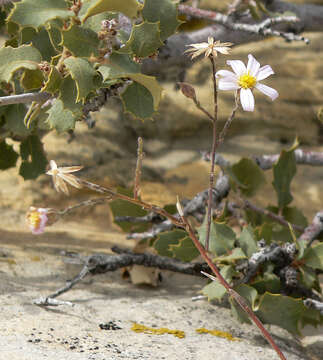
[34,219]
[246,81]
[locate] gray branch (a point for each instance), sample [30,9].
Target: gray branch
[25,98]
[313,230]
[195,207]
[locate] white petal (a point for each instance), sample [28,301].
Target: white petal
[237,66]
[71,179]
[69,169]
[227,84]
[226,74]
[247,100]
[272,93]
[253,65]
[264,72]
[222,50]
[53,165]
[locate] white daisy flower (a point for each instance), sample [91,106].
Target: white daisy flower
[62,174]
[245,79]
[209,48]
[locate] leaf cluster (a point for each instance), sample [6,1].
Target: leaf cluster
[65,50]
[251,257]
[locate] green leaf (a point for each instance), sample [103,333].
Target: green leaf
[164,11]
[94,7]
[250,295]
[284,171]
[13,59]
[214,290]
[94,23]
[221,239]
[81,42]
[248,174]
[84,75]
[236,254]
[37,12]
[185,250]
[32,79]
[294,216]
[144,40]
[264,231]
[267,282]
[247,241]
[68,95]
[61,119]
[308,276]
[280,310]
[8,156]
[54,29]
[53,82]
[165,239]
[313,256]
[42,42]
[121,66]
[34,161]
[15,120]
[125,208]
[138,101]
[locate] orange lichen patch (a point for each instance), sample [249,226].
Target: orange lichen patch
[138,328]
[218,333]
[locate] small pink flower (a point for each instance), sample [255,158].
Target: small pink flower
[37,220]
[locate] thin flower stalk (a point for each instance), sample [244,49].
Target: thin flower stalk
[140,155]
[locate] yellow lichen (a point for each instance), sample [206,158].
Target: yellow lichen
[138,328]
[218,333]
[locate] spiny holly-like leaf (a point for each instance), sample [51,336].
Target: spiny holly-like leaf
[8,156]
[94,23]
[41,41]
[32,79]
[185,250]
[84,75]
[250,295]
[248,174]
[13,59]
[121,66]
[247,241]
[265,232]
[283,311]
[125,208]
[214,290]
[221,238]
[144,40]
[308,277]
[138,101]
[53,82]
[54,29]
[61,119]
[165,239]
[267,282]
[14,116]
[34,160]
[313,256]
[37,12]
[68,95]
[164,11]
[81,42]
[284,171]
[294,216]
[94,7]
[236,254]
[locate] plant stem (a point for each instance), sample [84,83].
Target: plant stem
[140,154]
[24,98]
[214,146]
[238,298]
